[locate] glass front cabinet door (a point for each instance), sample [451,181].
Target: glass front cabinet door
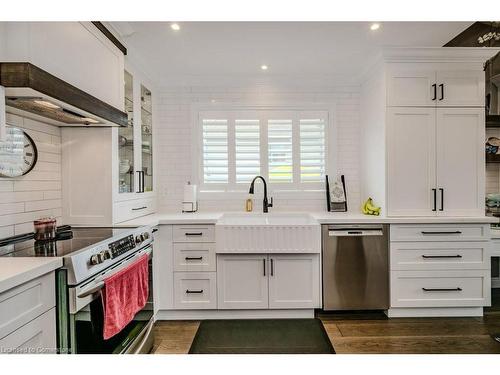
[146,139]
[126,165]
[135,142]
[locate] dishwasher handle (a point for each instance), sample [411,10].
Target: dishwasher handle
[355,232]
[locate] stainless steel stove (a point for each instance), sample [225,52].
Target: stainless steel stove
[90,255]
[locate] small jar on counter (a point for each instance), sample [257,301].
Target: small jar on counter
[45,229]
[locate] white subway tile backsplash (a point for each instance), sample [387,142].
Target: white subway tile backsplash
[37,194]
[174,138]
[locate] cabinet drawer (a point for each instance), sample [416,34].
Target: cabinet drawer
[25,302]
[194,257]
[440,288]
[440,232]
[440,255]
[195,290]
[194,233]
[128,210]
[36,337]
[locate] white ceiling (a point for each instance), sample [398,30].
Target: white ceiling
[328,51]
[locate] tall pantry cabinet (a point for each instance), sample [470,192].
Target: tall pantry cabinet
[431,117]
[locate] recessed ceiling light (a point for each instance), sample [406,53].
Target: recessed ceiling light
[175,26]
[375,26]
[263,67]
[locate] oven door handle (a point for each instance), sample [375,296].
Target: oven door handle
[100,281]
[89,291]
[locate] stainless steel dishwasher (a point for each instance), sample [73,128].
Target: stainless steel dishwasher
[355,267]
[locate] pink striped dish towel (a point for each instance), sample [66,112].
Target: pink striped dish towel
[124,294]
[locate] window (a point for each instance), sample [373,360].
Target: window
[288,148]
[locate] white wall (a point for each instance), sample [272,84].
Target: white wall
[174,137]
[37,194]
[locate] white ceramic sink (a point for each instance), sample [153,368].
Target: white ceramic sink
[268,233]
[289,219]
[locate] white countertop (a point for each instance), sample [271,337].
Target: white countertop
[16,271]
[321,217]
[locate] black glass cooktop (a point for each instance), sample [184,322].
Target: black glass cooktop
[69,241]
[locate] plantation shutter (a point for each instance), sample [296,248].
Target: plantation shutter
[247,150]
[312,150]
[280,151]
[215,151]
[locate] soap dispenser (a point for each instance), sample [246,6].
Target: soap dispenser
[249,204]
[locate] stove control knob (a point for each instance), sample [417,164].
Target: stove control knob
[138,239]
[100,257]
[94,259]
[106,254]
[146,235]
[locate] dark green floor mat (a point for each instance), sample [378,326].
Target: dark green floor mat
[261,336]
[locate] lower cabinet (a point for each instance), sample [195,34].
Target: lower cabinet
[35,337]
[294,281]
[195,290]
[274,281]
[242,281]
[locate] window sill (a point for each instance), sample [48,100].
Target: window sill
[276,194]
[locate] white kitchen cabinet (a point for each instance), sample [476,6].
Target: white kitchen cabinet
[274,281]
[434,85]
[195,290]
[242,281]
[417,289]
[411,161]
[460,161]
[27,317]
[411,86]
[460,88]
[36,337]
[435,161]
[294,281]
[76,52]
[96,190]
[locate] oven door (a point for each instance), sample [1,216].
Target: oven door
[86,316]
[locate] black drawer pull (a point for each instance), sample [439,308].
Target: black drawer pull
[194,234]
[441,256]
[450,232]
[442,289]
[194,258]
[139,208]
[194,291]
[434,88]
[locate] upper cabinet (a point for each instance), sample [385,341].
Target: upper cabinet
[135,142]
[429,105]
[76,52]
[146,140]
[435,85]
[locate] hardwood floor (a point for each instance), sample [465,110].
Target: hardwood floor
[358,333]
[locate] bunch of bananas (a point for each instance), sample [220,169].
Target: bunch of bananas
[369,209]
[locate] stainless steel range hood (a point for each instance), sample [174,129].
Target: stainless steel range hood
[31,90]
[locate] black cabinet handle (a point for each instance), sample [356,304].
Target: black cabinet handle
[442,233]
[442,199]
[442,289]
[155,230]
[139,177]
[142,179]
[264,263]
[193,234]
[193,258]
[194,291]
[272,267]
[441,86]
[139,208]
[434,87]
[434,193]
[440,256]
